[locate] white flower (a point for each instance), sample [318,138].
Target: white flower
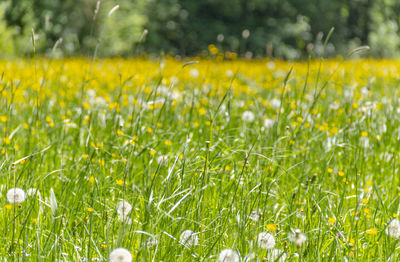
[53,202]
[228,255]
[297,237]
[15,195]
[248,116]
[189,238]
[265,240]
[276,255]
[194,73]
[120,255]
[275,103]
[364,91]
[393,229]
[256,215]
[268,123]
[123,208]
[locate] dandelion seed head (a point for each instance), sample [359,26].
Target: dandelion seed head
[189,238]
[15,195]
[275,103]
[248,116]
[228,255]
[297,237]
[393,229]
[120,255]
[194,73]
[256,215]
[268,123]
[123,208]
[265,240]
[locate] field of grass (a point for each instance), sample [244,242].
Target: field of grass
[273,160]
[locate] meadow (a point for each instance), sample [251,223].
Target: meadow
[199,160]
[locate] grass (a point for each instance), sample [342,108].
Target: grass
[172,139]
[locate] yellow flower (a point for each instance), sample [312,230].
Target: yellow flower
[152,152]
[331,221]
[168,143]
[364,134]
[372,231]
[341,173]
[91,179]
[85,156]
[334,131]
[272,227]
[202,111]
[89,209]
[120,132]
[8,206]
[365,200]
[330,170]
[120,182]
[86,105]
[3,119]
[6,140]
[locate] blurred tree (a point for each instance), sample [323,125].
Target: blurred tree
[287,29]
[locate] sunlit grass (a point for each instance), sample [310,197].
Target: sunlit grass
[139,151]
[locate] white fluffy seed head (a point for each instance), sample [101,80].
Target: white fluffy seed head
[393,229]
[189,238]
[256,215]
[248,116]
[228,255]
[120,255]
[275,103]
[265,240]
[123,208]
[268,123]
[15,195]
[297,237]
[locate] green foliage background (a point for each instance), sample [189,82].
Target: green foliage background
[289,29]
